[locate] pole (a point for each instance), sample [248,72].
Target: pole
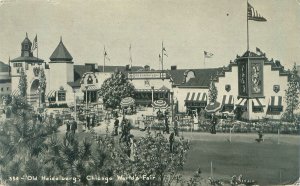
[278,137]
[230,135]
[104,58]
[86,102]
[204,59]
[247,28]
[130,56]
[211,169]
[75,107]
[162,56]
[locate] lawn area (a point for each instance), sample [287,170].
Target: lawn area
[268,163]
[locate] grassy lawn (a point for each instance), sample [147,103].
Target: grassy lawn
[268,163]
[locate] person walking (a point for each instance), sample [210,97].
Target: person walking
[68,125]
[73,126]
[171,141]
[88,120]
[176,130]
[167,130]
[93,120]
[116,126]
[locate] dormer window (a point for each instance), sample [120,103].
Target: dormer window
[90,80]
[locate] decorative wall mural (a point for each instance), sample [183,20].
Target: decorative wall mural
[256,78]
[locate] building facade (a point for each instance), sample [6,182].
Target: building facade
[252,86]
[5,81]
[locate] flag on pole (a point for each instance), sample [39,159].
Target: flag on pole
[208,54]
[165,52]
[105,55]
[253,15]
[34,44]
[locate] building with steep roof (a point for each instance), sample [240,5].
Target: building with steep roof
[5,80]
[252,85]
[31,66]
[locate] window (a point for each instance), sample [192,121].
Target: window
[7,88]
[1,89]
[61,95]
[26,66]
[90,80]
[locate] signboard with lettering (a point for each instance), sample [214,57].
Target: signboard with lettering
[243,78]
[147,75]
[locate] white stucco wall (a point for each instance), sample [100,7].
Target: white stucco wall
[231,78]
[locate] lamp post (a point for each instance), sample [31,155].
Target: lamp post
[172,105]
[75,106]
[152,88]
[86,97]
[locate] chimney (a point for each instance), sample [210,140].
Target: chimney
[174,67]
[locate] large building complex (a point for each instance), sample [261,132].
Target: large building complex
[251,85]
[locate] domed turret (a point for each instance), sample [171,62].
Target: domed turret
[26,47]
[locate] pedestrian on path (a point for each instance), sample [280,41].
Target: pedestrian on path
[176,130]
[171,140]
[88,120]
[167,130]
[116,126]
[73,126]
[68,125]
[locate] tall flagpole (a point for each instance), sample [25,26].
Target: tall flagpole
[162,55]
[204,59]
[247,27]
[104,58]
[130,57]
[9,71]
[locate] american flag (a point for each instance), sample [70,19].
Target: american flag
[208,54]
[34,44]
[253,15]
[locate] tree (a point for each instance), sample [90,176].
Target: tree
[114,89]
[292,95]
[23,83]
[42,85]
[212,92]
[153,158]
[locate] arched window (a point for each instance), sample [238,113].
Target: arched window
[90,80]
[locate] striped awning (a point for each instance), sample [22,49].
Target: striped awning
[227,100]
[92,88]
[258,102]
[15,92]
[196,97]
[275,101]
[51,94]
[241,102]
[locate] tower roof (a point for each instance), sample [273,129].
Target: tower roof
[61,53]
[26,40]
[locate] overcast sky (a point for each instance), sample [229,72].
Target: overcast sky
[187,27]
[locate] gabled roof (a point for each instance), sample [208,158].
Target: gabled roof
[27,59]
[3,67]
[61,53]
[79,70]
